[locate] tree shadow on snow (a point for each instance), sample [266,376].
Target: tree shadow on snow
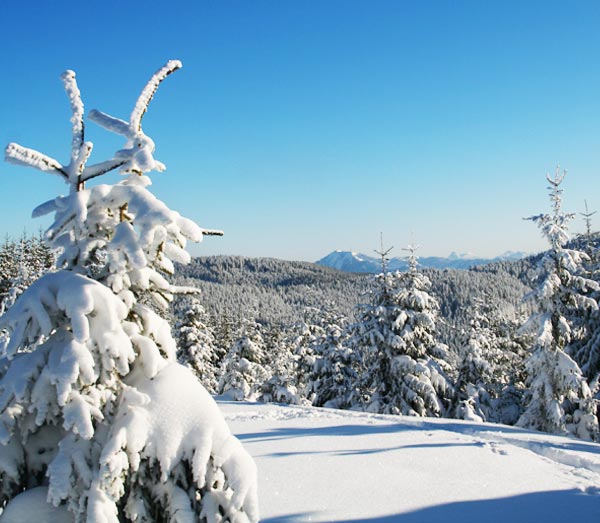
[485,431]
[335,430]
[403,447]
[549,507]
[376,450]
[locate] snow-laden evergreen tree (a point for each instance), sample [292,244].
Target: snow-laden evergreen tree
[334,380]
[94,408]
[244,368]
[475,372]
[586,351]
[589,233]
[304,338]
[280,386]
[585,347]
[558,399]
[227,331]
[21,263]
[405,369]
[489,382]
[197,347]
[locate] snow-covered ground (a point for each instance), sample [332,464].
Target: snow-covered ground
[323,465]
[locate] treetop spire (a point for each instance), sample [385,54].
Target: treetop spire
[412,257]
[383,253]
[136,157]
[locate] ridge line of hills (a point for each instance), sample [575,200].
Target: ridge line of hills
[349,261]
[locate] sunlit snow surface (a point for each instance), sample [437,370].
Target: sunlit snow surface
[323,465]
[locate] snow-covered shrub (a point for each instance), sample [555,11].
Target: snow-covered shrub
[94,407]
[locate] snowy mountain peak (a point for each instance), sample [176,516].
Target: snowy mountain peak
[350,261]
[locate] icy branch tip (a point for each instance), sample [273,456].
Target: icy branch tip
[173,65]
[14,153]
[211,232]
[67,75]
[558,178]
[9,150]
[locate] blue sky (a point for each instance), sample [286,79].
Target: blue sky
[307,126]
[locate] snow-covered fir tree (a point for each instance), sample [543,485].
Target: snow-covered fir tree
[281,363]
[304,338]
[334,377]
[589,234]
[21,263]
[499,378]
[475,372]
[96,415]
[404,365]
[586,350]
[558,399]
[197,347]
[585,347]
[244,368]
[489,384]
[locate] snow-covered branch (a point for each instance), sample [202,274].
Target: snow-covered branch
[137,156]
[148,92]
[19,155]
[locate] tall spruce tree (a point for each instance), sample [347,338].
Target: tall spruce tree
[475,372]
[404,365]
[489,383]
[244,368]
[304,340]
[96,416]
[281,362]
[333,380]
[558,399]
[196,345]
[585,349]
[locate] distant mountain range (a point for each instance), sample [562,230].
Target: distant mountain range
[357,262]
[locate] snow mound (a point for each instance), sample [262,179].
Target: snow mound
[31,506]
[160,436]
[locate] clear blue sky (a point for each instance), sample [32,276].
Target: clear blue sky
[300,127]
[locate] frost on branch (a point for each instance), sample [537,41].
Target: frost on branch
[75,173]
[96,417]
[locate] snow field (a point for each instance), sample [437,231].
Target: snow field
[323,465]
